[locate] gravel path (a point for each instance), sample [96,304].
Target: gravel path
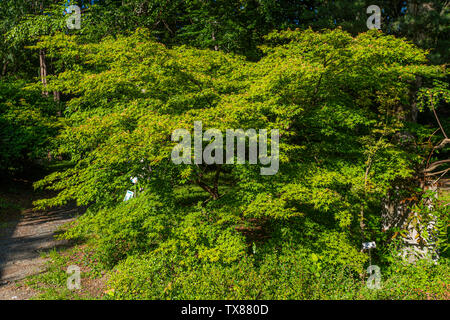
[22,241]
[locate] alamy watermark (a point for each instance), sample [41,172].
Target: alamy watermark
[74,20]
[74,280]
[214,153]
[374,21]
[374,280]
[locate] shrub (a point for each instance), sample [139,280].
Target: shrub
[27,123]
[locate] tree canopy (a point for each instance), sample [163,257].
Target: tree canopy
[356,110]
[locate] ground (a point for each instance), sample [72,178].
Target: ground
[25,235]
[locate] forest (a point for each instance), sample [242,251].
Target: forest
[345,194]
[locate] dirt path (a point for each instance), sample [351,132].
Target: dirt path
[24,236]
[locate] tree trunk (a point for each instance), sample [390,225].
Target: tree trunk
[216,47]
[56,96]
[5,65]
[43,71]
[214,190]
[397,213]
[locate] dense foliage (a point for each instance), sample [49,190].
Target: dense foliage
[27,123]
[339,102]
[345,102]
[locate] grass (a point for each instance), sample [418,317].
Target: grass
[52,284]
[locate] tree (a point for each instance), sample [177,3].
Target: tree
[335,99]
[26,127]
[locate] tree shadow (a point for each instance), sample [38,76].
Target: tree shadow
[26,234]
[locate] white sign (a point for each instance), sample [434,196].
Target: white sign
[128,195]
[369,245]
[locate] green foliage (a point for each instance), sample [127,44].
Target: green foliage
[26,126]
[123,110]
[146,223]
[129,228]
[240,25]
[137,70]
[340,103]
[237,26]
[52,284]
[288,275]
[423,280]
[431,220]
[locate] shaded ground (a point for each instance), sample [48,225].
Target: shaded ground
[24,235]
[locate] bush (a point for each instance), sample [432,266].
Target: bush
[27,123]
[285,276]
